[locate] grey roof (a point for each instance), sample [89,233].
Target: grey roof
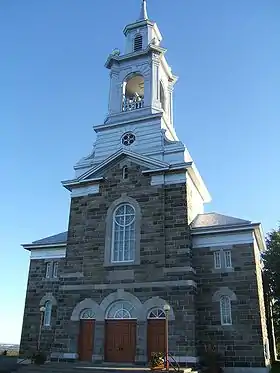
[57,238]
[213,219]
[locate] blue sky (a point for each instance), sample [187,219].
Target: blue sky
[54,87]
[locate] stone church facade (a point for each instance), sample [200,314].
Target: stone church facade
[139,247]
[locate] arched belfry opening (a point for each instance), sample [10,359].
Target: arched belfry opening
[133,93]
[162,97]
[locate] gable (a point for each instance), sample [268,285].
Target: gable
[146,163]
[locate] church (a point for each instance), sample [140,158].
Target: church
[142,264]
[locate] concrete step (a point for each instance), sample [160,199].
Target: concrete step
[89,368]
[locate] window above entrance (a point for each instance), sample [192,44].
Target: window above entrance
[156,313]
[87,314]
[121,310]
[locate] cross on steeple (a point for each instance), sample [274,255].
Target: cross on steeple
[143,12]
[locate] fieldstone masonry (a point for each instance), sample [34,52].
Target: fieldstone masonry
[241,344]
[169,269]
[162,184]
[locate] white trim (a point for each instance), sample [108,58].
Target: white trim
[221,239]
[224,229]
[114,156]
[217,263]
[85,190]
[133,248]
[48,273]
[229,257]
[34,246]
[48,254]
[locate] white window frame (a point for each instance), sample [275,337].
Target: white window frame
[227,259]
[217,259]
[125,172]
[121,310]
[157,313]
[49,270]
[225,310]
[124,233]
[47,313]
[55,270]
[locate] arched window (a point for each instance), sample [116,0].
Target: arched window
[138,43]
[87,314]
[48,313]
[225,310]
[162,97]
[125,172]
[123,234]
[156,313]
[120,310]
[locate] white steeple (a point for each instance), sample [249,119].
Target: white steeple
[143,13]
[140,108]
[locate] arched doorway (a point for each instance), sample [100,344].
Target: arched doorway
[156,333]
[120,332]
[86,335]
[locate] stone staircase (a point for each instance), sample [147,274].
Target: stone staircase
[88,368]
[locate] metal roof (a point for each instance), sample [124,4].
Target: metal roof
[57,238]
[213,219]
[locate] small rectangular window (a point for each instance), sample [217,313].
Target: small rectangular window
[228,263]
[55,270]
[217,259]
[48,270]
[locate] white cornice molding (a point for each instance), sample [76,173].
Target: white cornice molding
[198,182]
[105,126]
[31,246]
[151,48]
[224,229]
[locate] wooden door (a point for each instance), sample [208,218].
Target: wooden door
[120,341]
[155,336]
[85,348]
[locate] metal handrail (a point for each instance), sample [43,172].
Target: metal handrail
[174,364]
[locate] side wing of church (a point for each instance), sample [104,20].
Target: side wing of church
[139,247]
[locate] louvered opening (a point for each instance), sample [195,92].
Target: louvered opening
[138,43]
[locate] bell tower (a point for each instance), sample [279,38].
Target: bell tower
[141,81]
[139,122]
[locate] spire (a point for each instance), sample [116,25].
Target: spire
[143,13]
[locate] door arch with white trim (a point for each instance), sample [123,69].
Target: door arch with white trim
[120,332]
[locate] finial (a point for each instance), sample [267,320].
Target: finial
[143,13]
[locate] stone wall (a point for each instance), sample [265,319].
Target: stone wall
[241,344]
[165,268]
[38,289]
[165,260]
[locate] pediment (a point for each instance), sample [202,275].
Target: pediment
[99,170]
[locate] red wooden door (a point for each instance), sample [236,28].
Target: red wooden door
[120,341]
[155,336]
[85,349]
